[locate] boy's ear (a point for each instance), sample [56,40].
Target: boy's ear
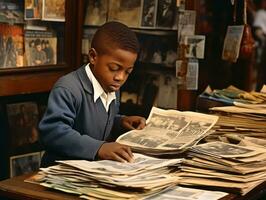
[92,55]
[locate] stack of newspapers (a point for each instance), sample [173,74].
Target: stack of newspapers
[242,120]
[107,179]
[223,166]
[169,132]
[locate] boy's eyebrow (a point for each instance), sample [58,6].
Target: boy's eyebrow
[121,66]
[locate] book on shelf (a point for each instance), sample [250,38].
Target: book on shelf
[96,12]
[11,46]
[40,47]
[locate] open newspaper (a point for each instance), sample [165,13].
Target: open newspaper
[169,132]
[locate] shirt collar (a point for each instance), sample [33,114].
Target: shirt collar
[97,88]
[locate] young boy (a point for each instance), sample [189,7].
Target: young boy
[83,105]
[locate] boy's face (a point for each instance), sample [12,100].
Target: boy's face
[113,68]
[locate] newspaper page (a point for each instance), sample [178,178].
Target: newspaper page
[186,23]
[181,193]
[187,74]
[169,131]
[235,109]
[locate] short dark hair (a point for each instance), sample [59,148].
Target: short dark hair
[112,35]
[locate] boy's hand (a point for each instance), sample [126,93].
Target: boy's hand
[115,151]
[133,122]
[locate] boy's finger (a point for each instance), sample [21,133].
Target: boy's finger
[129,126]
[118,158]
[142,124]
[124,155]
[128,150]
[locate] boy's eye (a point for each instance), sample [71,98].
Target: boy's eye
[114,68]
[129,71]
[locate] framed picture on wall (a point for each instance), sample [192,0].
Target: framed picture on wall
[53,10]
[166,14]
[25,163]
[96,12]
[148,15]
[23,118]
[124,11]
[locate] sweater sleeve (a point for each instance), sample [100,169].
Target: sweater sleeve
[56,128]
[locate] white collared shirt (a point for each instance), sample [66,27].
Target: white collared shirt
[106,98]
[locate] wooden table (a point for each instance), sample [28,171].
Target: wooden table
[16,189]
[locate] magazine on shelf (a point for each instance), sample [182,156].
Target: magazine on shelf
[11,46]
[169,131]
[40,47]
[232,43]
[127,12]
[33,9]
[11,12]
[96,12]
[53,10]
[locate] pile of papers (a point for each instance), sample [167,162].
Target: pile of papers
[107,179]
[232,95]
[169,132]
[224,166]
[242,120]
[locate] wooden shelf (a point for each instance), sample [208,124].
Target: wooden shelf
[27,79]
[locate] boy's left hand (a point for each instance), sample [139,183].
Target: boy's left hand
[133,122]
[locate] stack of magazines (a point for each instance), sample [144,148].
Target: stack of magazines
[223,166]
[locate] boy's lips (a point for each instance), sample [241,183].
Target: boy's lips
[116,86]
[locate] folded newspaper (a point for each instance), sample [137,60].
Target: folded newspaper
[169,132]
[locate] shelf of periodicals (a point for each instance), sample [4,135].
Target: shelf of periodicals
[35,46]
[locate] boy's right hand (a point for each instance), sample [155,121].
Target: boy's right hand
[115,151]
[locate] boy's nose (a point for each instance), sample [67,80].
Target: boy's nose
[120,76]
